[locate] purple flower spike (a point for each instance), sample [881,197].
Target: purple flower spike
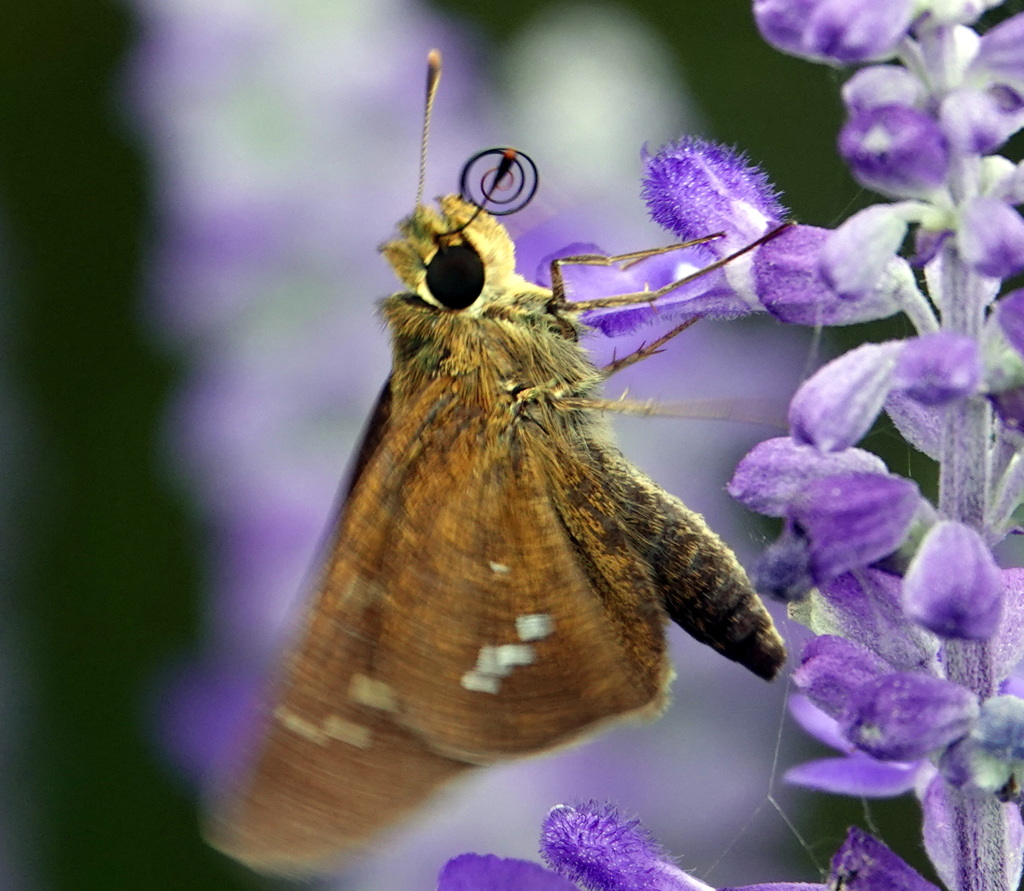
[598,849]
[853,520]
[837,31]
[991,238]
[908,715]
[831,667]
[953,586]
[863,863]
[486,872]
[694,188]
[835,407]
[938,368]
[895,150]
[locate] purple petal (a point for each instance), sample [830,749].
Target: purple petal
[835,407]
[937,368]
[908,715]
[876,85]
[486,872]
[832,667]
[775,472]
[855,256]
[694,187]
[1007,645]
[855,519]
[896,150]
[867,608]
[1010,315]
[838,31]
[1001,50]
[595,847]
[789,283]
[864,864]
[1009,406]
[857,775]
[783,570]
[991,238]
[817,724]
[953,586]
[976,121]
[780,886]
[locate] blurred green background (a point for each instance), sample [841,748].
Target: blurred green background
[100,581]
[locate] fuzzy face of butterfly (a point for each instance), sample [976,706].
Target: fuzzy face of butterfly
[500,578]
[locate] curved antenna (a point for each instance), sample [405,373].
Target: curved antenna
[433,79]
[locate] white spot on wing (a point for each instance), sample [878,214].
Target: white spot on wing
[348,732]
[372,692]
[499,568]
[494,663]
[333,727]
[534,626]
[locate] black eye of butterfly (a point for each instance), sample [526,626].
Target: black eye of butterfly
[455,276]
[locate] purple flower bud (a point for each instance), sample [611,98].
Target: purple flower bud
[835,407]
[908,715]
[831,668]
[864,864]
[476,872]
[1009,406]
[991,238]
[1010,315]
[856,254]
[694,188]
[991,759]
[783,570]
[938,368]
[789,283]
[595,847]
[854,519]
[774,473]
[1001,51]
[975,121]
[1000,728]
[839,31]
[877,85]
[953,586]
[896,150]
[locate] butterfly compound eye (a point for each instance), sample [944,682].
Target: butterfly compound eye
[455,276]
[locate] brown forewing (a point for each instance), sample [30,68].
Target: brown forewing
[449,541]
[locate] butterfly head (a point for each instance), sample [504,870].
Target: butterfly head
[458,255]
